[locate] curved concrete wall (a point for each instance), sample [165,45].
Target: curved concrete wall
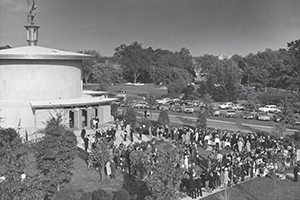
[38,80]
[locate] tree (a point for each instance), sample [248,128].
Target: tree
[287,115]
[106,74]
[249,94]
[130,117]
[294,48]
[201,121]
[207,101]
[121,195]
[87,65]
[169,69]
[100,195]
[101,155]
[166,174]
[5,47]
[163,117]
[55,154]
[140,163]
[13,154]
[222,80]
[134,60]
[114,110]
[151,99]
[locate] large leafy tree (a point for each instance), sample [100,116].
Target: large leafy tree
[294,49]
[130,117]
[169,67]
[166,173]
[222,79]
[88,65]
[163,117]
[134,60]
[201,121]
[55,154]
[13,156]
[140,163]
[287,113]
[101,155]
[5,47]
[106,74]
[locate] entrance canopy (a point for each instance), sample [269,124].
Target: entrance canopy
[78,102]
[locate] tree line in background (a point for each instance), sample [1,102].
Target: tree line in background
[229,79]
[224,79]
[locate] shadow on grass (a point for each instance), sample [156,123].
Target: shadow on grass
[186,121]
[246,193]
[135,187]
[249,128]
[202,162]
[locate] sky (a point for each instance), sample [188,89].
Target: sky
[214,27]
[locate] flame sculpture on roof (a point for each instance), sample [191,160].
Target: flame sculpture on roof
[32,30]
[31,14]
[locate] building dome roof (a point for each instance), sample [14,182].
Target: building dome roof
[40,53]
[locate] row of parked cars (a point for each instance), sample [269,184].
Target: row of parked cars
[175,105]
[265,113]
[227,109]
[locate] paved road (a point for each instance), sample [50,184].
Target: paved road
[215,123]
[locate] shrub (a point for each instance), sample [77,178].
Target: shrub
[297,136]
[122,195]
[100,195]
[68,194]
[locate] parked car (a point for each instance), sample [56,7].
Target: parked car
[176,108]
[269,108]
[248,115]
[277,118]
[141,104]
[154,107]
[238,107]
[164,107]
[189,110]
[164,100]
[263,117]
[230,113]
[226,105]
[216,113]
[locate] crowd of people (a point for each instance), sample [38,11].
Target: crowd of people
[234,156]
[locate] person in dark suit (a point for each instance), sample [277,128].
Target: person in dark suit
[296,171]
[83,132]
[86,143]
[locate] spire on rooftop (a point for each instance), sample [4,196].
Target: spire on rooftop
[32,30]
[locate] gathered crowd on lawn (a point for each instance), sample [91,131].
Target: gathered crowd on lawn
[234,156]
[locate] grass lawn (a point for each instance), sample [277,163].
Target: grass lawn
[262,189]
[255,189]
[89,181]
[136,92]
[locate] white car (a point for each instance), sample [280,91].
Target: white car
[216,113]
[163,101]
[141,104]
[226,105]
[262,117]
[238,107]
[230,113]
[189,110]
[269,108]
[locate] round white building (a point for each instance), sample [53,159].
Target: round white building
[37,82]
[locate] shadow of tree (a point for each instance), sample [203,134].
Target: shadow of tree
[185,120]
[135,187]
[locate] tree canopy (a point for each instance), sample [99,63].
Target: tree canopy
[55,154]
[166,173]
